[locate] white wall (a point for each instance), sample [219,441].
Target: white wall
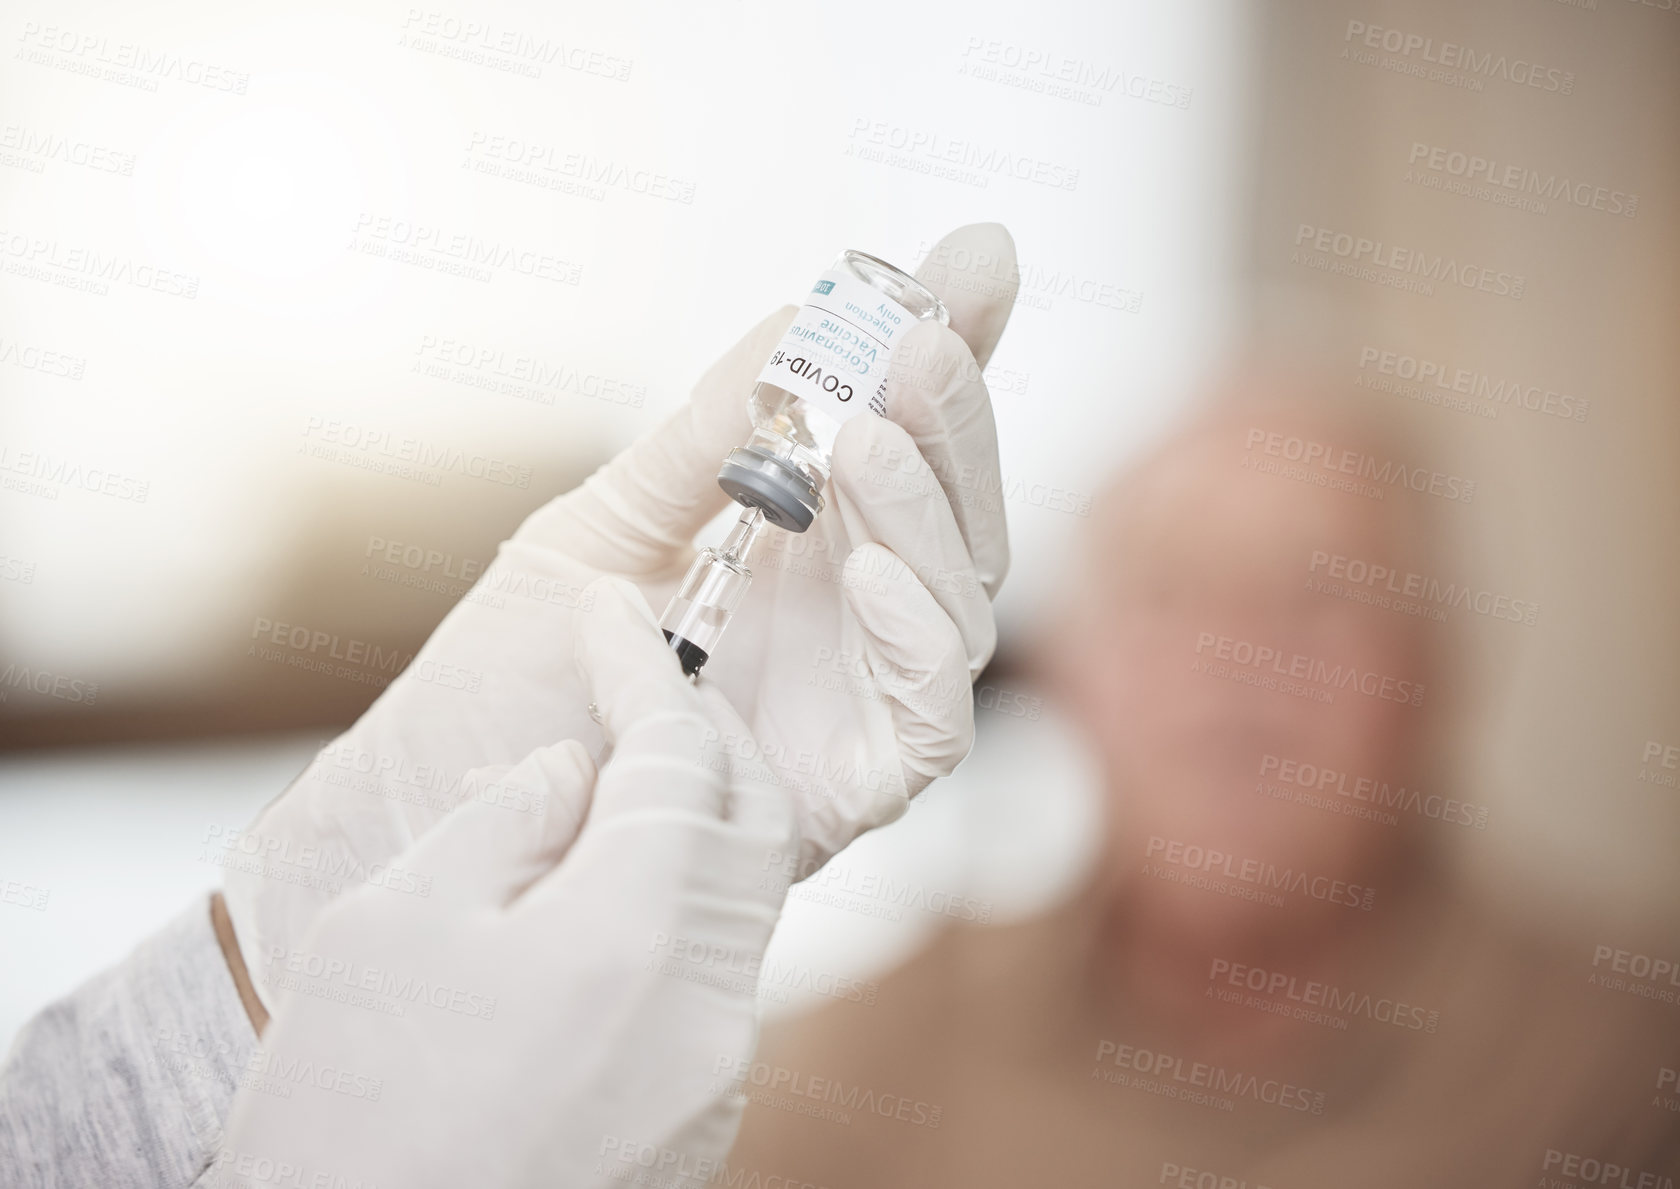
[756,112]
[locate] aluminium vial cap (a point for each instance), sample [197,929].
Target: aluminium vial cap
[755,479]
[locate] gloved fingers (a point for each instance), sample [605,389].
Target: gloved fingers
[753,798]
[935,391]
[973,270]
[513,824]
[663,744]
[888,495]
[639,513]
[917,657]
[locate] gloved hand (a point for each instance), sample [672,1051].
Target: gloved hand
[851,660]
[563,1022]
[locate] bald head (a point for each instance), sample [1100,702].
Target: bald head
[1206,641]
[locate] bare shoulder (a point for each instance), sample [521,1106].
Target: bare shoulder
[836,1093]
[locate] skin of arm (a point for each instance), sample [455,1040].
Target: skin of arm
[223,926]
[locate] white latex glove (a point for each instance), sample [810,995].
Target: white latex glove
[567,1035]
[850,661]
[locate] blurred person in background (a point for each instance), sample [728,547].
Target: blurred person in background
[1275,974]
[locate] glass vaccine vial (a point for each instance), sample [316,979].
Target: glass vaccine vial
[830,366]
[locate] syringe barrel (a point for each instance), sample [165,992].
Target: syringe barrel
[710,592]
[697,614]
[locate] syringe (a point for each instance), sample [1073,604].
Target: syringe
[710,592]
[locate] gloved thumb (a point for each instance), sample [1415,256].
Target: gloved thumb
[974,272]
[512,825]
[638,514]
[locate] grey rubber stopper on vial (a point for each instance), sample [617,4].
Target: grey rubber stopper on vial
[753,478]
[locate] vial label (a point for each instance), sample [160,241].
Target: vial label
[835,354]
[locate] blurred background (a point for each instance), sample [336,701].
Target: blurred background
[303,310]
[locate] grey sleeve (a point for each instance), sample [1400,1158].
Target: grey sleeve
[128,1080]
